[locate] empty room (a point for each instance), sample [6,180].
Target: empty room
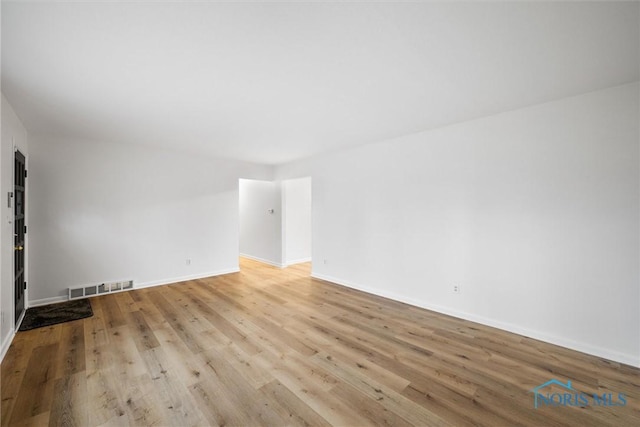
[320,213]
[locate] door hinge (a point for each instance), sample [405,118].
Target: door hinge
[25,173]
[25,229]
[25,286]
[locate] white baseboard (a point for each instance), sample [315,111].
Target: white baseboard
[53,300]
[184,278]
[7,343]
[298,261]
[10,336]
[262,260]
[627,359]
[45,301]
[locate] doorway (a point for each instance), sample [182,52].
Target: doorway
[275,221]
[261,221]
[19,228]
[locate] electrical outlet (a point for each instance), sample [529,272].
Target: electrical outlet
[456,289]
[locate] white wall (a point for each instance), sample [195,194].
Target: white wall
[534,213]
[102,212]
[296,195]
[261,230]
[13,133]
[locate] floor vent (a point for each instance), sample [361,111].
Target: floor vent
[101,289]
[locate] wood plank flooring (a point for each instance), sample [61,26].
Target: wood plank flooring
[274,347]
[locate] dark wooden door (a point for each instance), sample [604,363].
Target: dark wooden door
[20,174]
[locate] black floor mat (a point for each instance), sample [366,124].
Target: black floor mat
[47,315]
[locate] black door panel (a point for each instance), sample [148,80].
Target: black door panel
[19,181]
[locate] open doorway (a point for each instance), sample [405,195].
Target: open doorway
[275,221]
[261,221]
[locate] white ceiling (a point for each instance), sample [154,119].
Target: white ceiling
[273,82]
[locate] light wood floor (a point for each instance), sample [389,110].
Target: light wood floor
[275,347]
